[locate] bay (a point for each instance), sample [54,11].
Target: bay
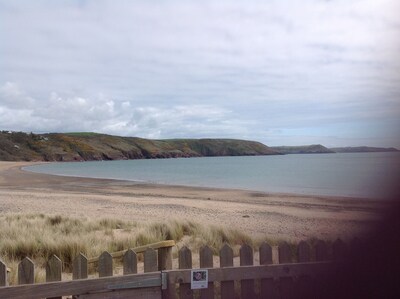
[362,175]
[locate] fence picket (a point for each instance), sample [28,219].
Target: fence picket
[206,261]
[80,267]
[321,251]
[285,256]
[303,252]
[53,271]
[150,260]
[339,249]
[268,287]
[285,283]
[26,271]
[105,264]
[226,260]
[185,262]
[304,283]
[276,281]
[130,262]
[165,258]
[247,259]
[3,274]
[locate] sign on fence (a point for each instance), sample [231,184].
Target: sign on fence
[199,279]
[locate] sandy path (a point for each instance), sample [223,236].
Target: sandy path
[258,214]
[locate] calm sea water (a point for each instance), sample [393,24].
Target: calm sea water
[367,175]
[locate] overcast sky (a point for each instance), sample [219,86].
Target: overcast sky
[279,72]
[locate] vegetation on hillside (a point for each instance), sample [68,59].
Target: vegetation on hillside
[304,149]
[81,146]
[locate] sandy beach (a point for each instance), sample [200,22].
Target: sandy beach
[278,216]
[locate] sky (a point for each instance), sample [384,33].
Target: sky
[280,72]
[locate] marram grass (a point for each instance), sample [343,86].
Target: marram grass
[39,236]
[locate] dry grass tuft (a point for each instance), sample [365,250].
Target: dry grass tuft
[40,236]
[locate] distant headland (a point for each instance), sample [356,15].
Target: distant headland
[86,146]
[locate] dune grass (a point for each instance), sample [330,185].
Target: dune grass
[39,236]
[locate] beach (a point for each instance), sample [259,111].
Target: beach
[262,215]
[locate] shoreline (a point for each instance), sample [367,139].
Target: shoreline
[279,216]
[149,183]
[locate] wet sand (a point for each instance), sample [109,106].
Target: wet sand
[277,216]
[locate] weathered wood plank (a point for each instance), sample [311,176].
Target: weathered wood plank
[185,262]
[80,286]
[150,260]
[129,262]
[206,261]
[53,271]
[80,267]
[3,274]
[140,249]
[145,293]
[267,285]
[247,259]
[26,271]
[254,272]
[226,260]
[105,264]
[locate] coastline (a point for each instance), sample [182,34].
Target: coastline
[279,216]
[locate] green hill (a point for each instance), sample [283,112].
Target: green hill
[19,146]
[363,149]
[303,149]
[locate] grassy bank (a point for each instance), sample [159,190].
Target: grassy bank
[40,236]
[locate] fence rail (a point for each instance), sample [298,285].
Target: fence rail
[294,273]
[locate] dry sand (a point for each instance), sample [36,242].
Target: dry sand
[278,216]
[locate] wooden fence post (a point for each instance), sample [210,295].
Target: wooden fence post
[339,249]
[268,287]
[321,252]
[304,283]
[26,271]
[206,261]
[286,283]
[130,262]
[303,252]
[105,264]
[185,262]
[165,258]
[80,267]
[53,271]
[3,274]
[247,259]
[226,260]
[150,260]
[285,256]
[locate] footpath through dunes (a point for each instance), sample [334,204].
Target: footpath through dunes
[277,216]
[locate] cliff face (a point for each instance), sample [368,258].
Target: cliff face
[19,146]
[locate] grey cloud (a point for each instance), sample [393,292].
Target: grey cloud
[129,67]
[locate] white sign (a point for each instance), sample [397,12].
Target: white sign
[199,279]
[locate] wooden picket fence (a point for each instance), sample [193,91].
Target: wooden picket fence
[295,273]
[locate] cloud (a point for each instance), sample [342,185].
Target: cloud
[11,96]
[245,69]
[102,114]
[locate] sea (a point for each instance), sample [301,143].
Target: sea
[353,175]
